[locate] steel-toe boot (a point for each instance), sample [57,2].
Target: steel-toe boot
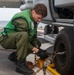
[21,67]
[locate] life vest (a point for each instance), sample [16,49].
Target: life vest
[26,15]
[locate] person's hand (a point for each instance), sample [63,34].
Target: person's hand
[35,50]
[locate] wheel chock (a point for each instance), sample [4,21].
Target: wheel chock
[49,68]
[54,72]
[52,65]
[40,63]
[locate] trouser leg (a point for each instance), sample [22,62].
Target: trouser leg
[21,45]
[17,41]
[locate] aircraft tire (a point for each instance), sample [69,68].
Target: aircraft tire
[64,43]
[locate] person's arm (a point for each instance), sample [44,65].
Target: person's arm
[31,47]
[20,24]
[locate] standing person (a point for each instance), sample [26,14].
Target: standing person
[21,34]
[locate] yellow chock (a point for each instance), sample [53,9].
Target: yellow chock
[54,72]
[52,65]
[49,68]
[40,63]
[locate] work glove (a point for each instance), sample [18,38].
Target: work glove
[42,54]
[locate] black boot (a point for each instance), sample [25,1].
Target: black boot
[12,57]
[21,67]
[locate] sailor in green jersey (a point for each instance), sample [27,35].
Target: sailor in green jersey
[21,34]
